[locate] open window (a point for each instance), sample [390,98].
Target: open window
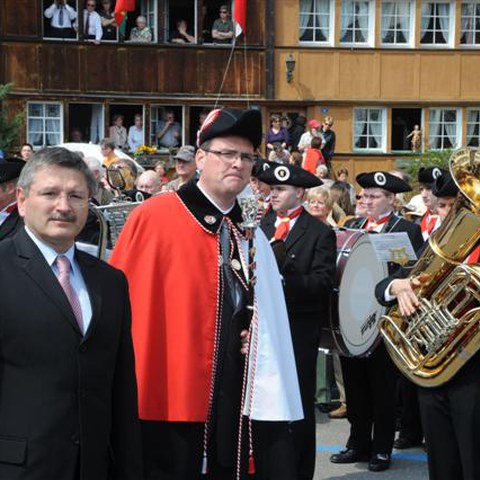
[143,29]
[212,13]
[171,137]
[128,112]
[197,117]
[181,22]
[86,122]
[403,122]
[59,17]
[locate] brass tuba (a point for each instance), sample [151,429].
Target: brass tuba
[430,346]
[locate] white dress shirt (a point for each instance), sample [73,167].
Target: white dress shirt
[94,24]
[76,277]
[53,13]
[135,137]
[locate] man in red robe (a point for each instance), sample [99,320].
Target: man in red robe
[185,256]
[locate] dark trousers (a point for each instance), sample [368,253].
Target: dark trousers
[305,338]
[451,423]
[174,451]
[370,390]
[410,421]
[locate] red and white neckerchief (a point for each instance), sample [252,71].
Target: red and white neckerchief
[7,211]
[429,220]
[376,225]
[284,226]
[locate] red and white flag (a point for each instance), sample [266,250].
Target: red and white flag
[240,16]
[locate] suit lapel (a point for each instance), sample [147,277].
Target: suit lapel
[298,230]
[94,287]
[35,266]
[9,225]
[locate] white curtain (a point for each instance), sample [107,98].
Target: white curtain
[96,124]
[443,10]
[468,11]
[376,128]
[363,16]
[388,18]
[427,9]
[450,119]
[323,8]
[434,128]
[472,123]
[347,19]
[359,125]
[403,13]
[305,6]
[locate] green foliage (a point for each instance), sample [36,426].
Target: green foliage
[9,127]
[431,158]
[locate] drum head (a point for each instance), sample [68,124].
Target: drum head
[358,309]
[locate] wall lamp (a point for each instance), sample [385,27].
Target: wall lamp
[290,66]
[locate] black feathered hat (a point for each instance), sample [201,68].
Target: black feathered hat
[384,180]
[289,175]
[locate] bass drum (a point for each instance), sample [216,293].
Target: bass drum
[354,310]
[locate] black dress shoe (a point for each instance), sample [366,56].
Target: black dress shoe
[349,455]
[379,462]
[402,443]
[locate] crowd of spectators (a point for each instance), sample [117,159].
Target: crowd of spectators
[99,24]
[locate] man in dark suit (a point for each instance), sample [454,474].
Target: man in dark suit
[10,220]
[68,403]
[308,269]
[450,412]
[370,381]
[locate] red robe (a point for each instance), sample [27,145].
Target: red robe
[169,257]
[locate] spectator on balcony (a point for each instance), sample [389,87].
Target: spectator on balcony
[169,131]
[92,23]
[181,35]
[118,133]
[141,33]
[222,29]
[276,134]
[135,133]
[109,25]
[76,135]
[61,16]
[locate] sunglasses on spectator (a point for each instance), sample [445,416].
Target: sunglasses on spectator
[359,197]
[328,124]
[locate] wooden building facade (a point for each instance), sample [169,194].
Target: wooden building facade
[378,67]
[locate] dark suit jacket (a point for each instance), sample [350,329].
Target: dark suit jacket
[64,398]
[309,266]
[11,225]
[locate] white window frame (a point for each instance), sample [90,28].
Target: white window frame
[476,18]
[44,118]
[451,26]
[467,123]
[370,29]
[411,27]
[331,26]
[458,123]
[154,121]
[383,144]
[146,10]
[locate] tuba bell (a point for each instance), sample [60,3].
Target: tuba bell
[430,346]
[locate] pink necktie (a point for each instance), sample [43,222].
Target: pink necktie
[63,266]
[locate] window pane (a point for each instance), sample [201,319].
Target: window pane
[435,23]
[35,110]
[314,21]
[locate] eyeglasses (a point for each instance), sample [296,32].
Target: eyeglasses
[231,155]
[223,11]
[359,197]
[328,124]
[91,5]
